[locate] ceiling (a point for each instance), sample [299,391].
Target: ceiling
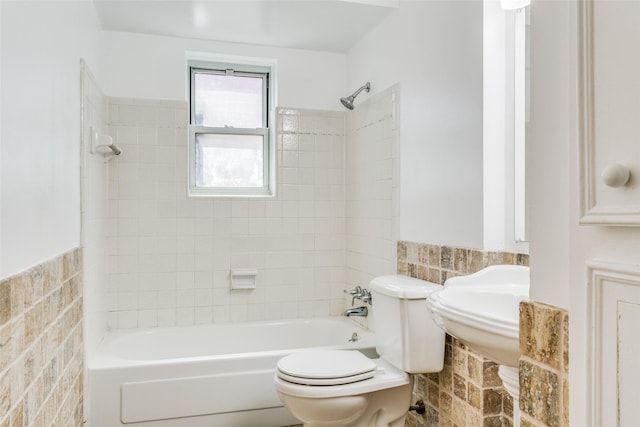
[325,25]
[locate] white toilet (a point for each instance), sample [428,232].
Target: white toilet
[345,388]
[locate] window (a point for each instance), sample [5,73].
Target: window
[229,138]
[521,80]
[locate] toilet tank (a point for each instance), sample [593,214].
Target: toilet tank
[406,335]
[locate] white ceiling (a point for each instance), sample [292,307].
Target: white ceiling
[326,25]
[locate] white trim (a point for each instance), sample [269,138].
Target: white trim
[249,64]
[500,131]
[514,4]
[599,395]
[519,119]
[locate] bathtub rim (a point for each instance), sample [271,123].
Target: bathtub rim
[104,359]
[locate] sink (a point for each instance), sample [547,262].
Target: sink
[482,310]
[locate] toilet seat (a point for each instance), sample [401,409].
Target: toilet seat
[326,381]
[385,376]
[326,367]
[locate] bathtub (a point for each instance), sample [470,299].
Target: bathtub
[205,376]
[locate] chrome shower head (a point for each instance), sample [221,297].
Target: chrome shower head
[348,101]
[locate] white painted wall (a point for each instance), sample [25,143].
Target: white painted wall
[558,246]
[434,50]
[494,122]
[1,84]
[548,155]
[154,67]
[42,43]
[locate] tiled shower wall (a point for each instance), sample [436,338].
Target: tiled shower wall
[372,186]
[41,347]
[468,391]
[94,212]
[170,255]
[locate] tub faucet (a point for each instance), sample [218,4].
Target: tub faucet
[356,311]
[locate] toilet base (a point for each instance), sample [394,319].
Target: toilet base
[381,408]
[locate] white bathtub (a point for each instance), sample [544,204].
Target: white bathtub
[205,376]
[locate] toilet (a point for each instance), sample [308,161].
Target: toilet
[344,387]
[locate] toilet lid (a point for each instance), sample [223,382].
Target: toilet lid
[328,367]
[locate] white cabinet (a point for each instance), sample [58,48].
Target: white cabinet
[609,188]
[609,112]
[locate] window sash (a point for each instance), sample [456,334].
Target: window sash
[226,69]
[197,191]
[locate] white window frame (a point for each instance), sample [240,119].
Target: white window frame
[521,120]
[236,67]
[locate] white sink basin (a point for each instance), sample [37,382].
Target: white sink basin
[482,310]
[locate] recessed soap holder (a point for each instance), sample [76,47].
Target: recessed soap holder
[103,144]
[243,278]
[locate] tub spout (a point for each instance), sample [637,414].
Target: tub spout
[356,311]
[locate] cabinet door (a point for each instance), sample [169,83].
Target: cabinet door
[609,148]
[610,112]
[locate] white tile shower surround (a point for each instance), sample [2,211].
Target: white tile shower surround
[93,214]
[372,186]
[170,255]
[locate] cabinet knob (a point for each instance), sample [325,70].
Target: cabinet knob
[616,175]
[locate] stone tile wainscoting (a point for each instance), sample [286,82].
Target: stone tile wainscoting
[41,345]
[468,391]
[544,365]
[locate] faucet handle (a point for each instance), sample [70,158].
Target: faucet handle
[366,297]
[356,291]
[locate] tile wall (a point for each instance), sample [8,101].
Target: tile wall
[372,188]
[170,255]
[544,365]
[468,391]
[41,351]
[94,203]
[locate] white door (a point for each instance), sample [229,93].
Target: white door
[606,273]
[585,228]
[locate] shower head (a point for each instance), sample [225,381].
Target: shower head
[348,101]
